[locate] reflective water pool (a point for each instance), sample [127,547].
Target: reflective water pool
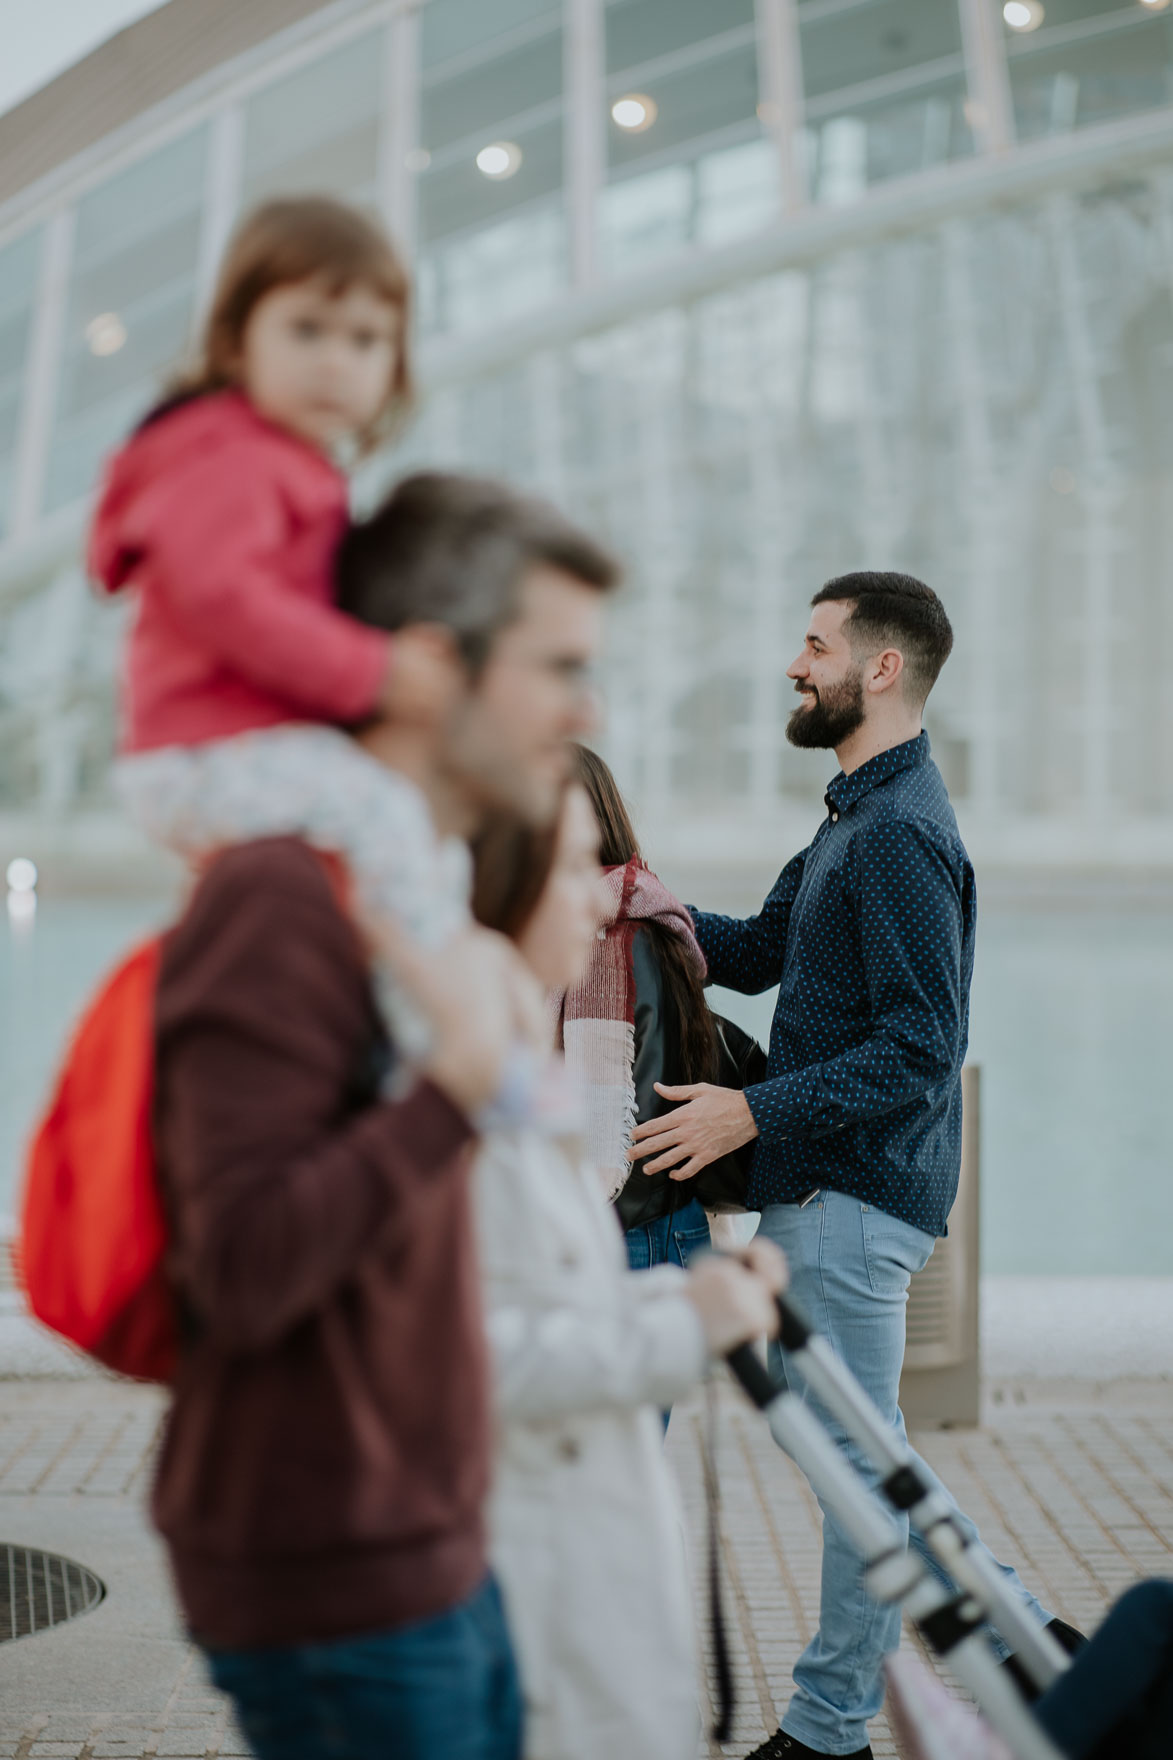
[1072,1024]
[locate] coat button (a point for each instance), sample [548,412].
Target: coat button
[568,1448]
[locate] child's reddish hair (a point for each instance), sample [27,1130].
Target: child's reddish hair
[302,238]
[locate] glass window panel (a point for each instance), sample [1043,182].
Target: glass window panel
[1091,77]
[455,196]
[703,170]
[1065,12]
[646,217]
[451,28]
[494,274]
[873,39]
[130,306]
[885,92]
[317,129]
[885,138]
[474,101]
[737,190]
[718,94]
[491,247]
[713,198]
[642,30]
[19,265]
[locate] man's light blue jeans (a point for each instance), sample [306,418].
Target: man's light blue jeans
[850,1266]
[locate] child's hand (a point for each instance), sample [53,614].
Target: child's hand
[424,676]
[480,998]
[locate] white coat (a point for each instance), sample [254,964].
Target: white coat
[585,1524]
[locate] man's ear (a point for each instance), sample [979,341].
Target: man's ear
[428,673]
[886,670]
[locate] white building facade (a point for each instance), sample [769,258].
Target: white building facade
[764,290]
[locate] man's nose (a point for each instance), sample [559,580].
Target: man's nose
[798,667]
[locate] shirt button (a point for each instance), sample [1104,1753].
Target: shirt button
[568,1448]
[834,818]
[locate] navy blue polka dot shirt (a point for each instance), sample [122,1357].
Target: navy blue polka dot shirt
[869,935]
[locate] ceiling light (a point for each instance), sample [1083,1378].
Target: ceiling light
[21,875]
[500,160]
[106,333]
[634,112]
[1023,15]
[1155,5]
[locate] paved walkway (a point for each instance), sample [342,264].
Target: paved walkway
[1073,1480]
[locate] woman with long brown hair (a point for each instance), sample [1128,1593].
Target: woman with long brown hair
[639,1017]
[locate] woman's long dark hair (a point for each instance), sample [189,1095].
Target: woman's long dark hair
[695,1034]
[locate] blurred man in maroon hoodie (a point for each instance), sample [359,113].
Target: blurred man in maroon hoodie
[324,1468]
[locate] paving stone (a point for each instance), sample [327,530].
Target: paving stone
[1073,1482]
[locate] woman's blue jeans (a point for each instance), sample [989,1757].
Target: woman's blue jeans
[850,1266]
[443,1689]
[669,1240]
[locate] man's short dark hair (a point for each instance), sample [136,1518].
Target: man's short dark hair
[895,611]
[452,549]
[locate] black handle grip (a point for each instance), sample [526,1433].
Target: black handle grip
[753,1375]
[796,1328]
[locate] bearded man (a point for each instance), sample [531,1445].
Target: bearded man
[869,934]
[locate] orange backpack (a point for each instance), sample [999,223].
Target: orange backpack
[92,1229]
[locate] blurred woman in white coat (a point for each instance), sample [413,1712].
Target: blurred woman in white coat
[584,1519]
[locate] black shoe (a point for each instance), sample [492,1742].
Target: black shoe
[1069,1640]
[780,1746]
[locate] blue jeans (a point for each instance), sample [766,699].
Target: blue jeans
[443,1689]
[669,1240]
[850,1266]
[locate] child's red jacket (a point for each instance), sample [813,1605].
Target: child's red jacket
[226,526]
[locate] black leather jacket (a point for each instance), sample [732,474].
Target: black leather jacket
[646,1197]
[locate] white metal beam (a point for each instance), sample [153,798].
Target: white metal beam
[990,110]
[585,149]
[46,345]
[780,76]
[222,181]
[399,128]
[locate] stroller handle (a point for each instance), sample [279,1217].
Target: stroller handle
[796,1330]
[753,1375]
[747,1366]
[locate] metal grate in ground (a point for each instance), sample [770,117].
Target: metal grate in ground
[40,1590]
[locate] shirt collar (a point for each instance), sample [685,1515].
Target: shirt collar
[844,791]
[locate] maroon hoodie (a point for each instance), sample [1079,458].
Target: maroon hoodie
[326,1455]
[227,526]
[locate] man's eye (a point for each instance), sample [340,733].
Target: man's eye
[575,672]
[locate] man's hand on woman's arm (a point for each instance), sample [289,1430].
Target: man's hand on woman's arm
[710,1123]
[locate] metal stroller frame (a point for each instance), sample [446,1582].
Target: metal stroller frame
[951,1623]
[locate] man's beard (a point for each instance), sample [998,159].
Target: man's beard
[832,717]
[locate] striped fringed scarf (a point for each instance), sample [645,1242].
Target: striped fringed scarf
[598,1016]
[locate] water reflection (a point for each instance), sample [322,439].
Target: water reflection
[1072,1023]
[1073,1026]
